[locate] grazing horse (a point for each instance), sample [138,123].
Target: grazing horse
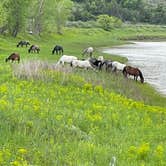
[66,59]
[13,57]
[108,64]
[117,66]
[128,70]
[88,51]
[95,63]
[34,48]
[82,64]
[58,50]
[22,43]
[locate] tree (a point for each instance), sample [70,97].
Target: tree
[3,14]
[3,17]
[37,15]
[60,12]
[17,11]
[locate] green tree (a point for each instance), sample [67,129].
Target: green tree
[17,11]
[61,11]
[3,16]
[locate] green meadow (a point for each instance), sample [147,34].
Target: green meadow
[74,117]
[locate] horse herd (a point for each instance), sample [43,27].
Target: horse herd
[90,63]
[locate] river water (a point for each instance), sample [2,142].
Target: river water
[149,57]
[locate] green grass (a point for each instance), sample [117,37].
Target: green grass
[75,117]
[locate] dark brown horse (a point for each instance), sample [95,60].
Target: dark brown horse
[128,70]
[13,57]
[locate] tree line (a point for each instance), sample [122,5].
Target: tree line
[38,16]
[34,16]
[126,10]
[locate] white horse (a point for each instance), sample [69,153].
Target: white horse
[66,59]
[82,64]
[100,58]
[117,66]
[89,51]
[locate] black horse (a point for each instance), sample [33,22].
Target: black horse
[22,43]
[58,50]
[96,63]
[34,48]
[107,64]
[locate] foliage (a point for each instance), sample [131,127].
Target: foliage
[17,11]
[108,22]
[3,14]
[61,10]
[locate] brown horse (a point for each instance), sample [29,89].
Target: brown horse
[13,57]
[128,70]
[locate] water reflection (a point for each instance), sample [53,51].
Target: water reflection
[150,57]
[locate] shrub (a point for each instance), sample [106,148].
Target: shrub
[108,22]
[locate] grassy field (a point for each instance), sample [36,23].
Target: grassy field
[73,117]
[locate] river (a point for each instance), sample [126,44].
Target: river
[149,57]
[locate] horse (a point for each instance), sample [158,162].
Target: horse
[34,48]
[87,51]
[82,64]
[101,58]
[128,70]
[117,66]
[13,57]
[22,43]
[95,63]
[108,64]
[58,50]
[66,59]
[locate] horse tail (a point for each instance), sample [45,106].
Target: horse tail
[141,76]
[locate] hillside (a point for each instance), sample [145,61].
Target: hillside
[62,116]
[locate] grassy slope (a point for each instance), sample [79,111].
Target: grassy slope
[69,119]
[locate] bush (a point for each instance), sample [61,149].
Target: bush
[108,22]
